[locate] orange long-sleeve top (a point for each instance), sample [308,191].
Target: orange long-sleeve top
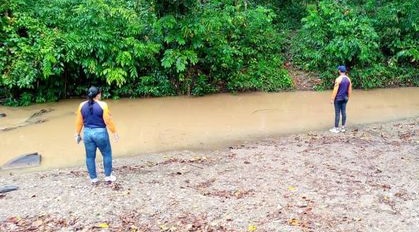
[99,117]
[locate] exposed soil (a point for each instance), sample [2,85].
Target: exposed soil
[302,80]
[365,179]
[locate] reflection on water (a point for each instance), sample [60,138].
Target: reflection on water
[159,124]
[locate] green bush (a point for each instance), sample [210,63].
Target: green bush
[156,85]
[29,53]
[289,12]
[220,45]
[138,48]
[335,34]
[377,40]
[262,75]
[397,24]
[99,41]
[202,86]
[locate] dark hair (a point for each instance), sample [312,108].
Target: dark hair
[91,94]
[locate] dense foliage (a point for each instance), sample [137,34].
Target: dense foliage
[377,40]
[52,49]
[137,48]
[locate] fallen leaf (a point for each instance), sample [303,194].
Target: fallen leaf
[251,228]
[37,223]
[293,222]
[163,228]
[102,225]
[292,188]
[14,219]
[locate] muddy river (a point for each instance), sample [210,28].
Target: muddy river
[147,126]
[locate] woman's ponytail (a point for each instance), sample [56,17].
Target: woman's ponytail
[93,92]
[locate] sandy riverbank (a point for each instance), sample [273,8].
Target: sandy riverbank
[366,179]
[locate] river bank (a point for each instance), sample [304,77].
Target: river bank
[365,179]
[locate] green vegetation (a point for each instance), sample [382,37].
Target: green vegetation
[53,49]
[377,40]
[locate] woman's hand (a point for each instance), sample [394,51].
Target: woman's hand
[116,137]
[78,138]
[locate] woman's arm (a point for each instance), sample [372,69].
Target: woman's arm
[335,89]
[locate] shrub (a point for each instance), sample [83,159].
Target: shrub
[335,34]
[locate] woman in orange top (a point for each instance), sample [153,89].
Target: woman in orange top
[94,118]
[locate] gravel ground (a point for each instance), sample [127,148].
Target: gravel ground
[366,179]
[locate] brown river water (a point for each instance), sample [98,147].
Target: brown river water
[152,125]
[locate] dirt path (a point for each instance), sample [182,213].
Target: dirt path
[302,80]
[363,180]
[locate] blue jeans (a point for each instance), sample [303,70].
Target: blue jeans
[97,138]
[340,108]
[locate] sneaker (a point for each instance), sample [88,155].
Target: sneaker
[342,129]
[94,181]
[110,178]
[334,130]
